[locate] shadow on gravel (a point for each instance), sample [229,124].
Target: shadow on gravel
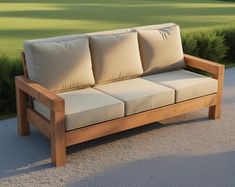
[210,170]
[22,154]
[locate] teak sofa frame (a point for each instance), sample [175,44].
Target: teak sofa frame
[54,128]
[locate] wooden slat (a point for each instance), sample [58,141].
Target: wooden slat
[202,64]
[45,96]
[23,61]
[136,120]
[39,122]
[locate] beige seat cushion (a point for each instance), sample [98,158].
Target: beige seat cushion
[115,57]
[187,84]
[63,65]
[138,94]
[86,107]
[161,49]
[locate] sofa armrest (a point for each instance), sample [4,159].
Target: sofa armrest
[40,93]
[55,128]
[215,69]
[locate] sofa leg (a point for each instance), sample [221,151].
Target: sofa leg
[21,101]
[215,111]
[58,154]
[58,146]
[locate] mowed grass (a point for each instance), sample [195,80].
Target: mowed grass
[28,19]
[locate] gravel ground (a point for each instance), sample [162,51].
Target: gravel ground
[188,150]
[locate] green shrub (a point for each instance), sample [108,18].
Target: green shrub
[190,44]
[229,38]
[209,43]
[205,44]
[9,69]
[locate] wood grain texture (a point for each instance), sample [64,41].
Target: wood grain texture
[136,120]
[217,71]
[23,126]
[202,64]
[39,122]
[56,128]
[35,90]
[23,61]
[58,145]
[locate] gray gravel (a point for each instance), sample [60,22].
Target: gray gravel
[189,150]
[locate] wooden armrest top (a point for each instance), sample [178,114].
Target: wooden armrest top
[40,93]
[214,68]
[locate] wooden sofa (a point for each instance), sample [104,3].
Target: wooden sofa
[27,91]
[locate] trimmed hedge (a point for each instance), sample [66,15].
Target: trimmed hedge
[229,40]
[208,45]
[216,44]
[9,69]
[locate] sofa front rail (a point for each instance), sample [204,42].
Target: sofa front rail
[54,128]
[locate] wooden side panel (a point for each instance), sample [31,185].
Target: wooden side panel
[24,64]
[45,96]
[30,99]
[38,121]
[136,120]
[217,71]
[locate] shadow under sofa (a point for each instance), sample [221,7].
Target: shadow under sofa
[81,87]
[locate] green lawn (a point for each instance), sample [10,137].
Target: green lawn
[26,19]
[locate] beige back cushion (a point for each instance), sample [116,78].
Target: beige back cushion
[63,65]
[161,49]
[115,57]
